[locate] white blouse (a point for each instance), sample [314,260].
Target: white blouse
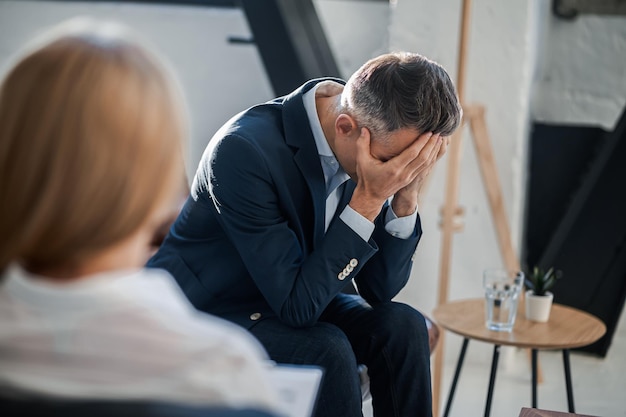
[124,335]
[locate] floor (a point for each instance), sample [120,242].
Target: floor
[599,384]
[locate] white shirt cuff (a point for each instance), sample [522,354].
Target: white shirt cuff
[400,227]
[358,223]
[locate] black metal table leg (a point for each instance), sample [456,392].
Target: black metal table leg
[534,381]
[568,381]
[492,378]
[457,372]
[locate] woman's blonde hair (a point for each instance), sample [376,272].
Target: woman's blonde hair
[91,135]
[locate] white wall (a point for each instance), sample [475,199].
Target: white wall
[582,76]
[219,79]
[356,31]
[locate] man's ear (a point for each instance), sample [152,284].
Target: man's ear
[346,126]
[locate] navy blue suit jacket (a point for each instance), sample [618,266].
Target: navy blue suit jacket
[249,242]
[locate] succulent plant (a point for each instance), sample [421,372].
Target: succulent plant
[541,281]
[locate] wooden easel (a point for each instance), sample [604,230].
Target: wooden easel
[474,116]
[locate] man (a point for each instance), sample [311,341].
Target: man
[297,197]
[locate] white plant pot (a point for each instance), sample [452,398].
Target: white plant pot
[538,306]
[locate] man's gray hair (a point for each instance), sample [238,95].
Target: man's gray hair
[402,90]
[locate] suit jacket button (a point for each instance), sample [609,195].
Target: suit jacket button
[346,272]
[353,262]
[255,316]
[341,276]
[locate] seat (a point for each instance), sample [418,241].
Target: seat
[25,407]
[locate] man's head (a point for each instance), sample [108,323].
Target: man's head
[402,90]
[397,97]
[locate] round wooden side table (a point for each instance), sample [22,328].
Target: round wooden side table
[567,328]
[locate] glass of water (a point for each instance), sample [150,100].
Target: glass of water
[502,291]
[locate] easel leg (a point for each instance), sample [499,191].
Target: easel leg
[452,190]
[486,161]
[437,371]
[448,229]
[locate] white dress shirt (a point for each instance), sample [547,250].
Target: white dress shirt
[128,335]
[335,176]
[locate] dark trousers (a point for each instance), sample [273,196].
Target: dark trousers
[390,338]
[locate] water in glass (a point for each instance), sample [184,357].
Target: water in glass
[502,290]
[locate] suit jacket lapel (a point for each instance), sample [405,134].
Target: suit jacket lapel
[298,135]
[346,195]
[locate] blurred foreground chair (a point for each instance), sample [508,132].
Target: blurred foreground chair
[115,408]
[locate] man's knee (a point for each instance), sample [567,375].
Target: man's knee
[413,319]
[335,352]
[323,345]
[401,323]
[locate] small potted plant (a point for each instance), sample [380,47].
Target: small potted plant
[538,297]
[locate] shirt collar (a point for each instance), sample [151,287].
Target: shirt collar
[330,165]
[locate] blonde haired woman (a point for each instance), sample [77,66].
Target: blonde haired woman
[91,132]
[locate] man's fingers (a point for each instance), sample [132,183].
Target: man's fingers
[414,150]
[432,147]
[363,142]
[426,154]
[365,133]
[420,166]
[441,149]
[444,147]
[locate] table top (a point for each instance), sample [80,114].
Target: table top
[567,327]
